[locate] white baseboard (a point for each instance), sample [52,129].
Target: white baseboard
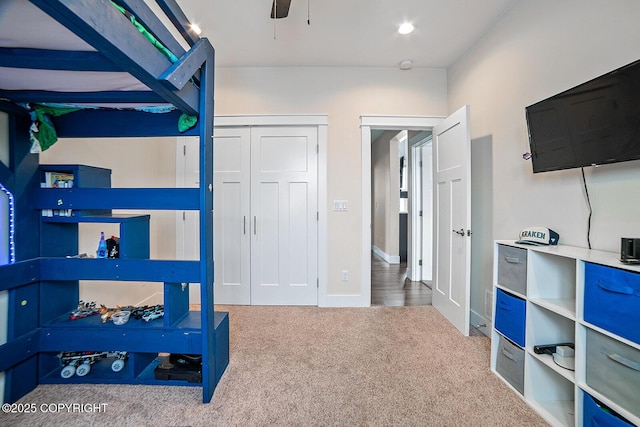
[390,259]
[481,323]
[343,301]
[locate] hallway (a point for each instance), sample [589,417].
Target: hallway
[390,286]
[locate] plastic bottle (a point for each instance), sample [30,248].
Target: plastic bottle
[102,246]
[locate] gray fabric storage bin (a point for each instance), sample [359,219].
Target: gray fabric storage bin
[613,369]
[510,363]
[512,268]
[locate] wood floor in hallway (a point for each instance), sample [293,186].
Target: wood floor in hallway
[391,287]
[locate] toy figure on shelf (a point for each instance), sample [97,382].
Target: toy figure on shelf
[119,315]
[122,314]
[113,247]
[79,362]
[84,309]
[105,313]
[148,312]
[155,313]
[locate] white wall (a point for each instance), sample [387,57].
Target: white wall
[379,189]
[540,48]
[344,94]
[385,189]
[134,162]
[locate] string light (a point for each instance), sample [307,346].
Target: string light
[196,29]
[12,248]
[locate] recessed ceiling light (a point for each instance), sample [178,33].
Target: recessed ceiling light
[406,64]
[406,28]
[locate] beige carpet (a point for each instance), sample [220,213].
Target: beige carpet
[307,366]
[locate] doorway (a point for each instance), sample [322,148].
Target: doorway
[377,123]
[452,217]
[398,182]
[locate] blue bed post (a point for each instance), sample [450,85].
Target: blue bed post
[210,376]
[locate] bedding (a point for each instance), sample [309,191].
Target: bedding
[29,69]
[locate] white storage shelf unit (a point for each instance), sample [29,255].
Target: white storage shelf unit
[549,289]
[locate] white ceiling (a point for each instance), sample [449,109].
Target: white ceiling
[343,33]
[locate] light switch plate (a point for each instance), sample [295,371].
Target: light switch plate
[340,205]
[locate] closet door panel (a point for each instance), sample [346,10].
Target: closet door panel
[284,206]
[299,233]
[266,234]
[231,213]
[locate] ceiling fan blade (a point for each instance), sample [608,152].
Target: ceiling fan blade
[282,9]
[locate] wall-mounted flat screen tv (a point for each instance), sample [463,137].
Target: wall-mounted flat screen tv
[595,123]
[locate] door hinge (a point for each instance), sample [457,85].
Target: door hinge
[420,163]
[184,215]
[184,150]
[419,262]
[317,148]
[318,216]
[317,282]
[420,213]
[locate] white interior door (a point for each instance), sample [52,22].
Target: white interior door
[452,222]
[284,213]
[427,212]
[231,215]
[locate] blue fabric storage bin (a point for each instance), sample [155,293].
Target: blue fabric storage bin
[611,300]
[594,415]
[510,316]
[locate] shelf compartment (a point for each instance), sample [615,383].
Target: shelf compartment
[552,279]
[613,368]
[565,307]
[170,271]
[139,369]
[512,268]
[510,316]
[611,300]
[546,327]
[134,231]
[551,394]
[593,414]
[118,198]
[135,336]
[547,359]
[83,176]
[510,363]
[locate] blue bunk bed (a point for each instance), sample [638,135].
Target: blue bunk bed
[101,68]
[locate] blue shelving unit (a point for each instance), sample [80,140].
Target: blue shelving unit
[43,282]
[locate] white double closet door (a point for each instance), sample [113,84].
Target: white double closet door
[265,215]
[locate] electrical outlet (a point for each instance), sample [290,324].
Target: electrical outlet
[345,275]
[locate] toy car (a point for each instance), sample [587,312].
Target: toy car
[79,362]
[154,313]
[84,309]
[148,312]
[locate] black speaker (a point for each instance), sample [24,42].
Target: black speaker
[630,251]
